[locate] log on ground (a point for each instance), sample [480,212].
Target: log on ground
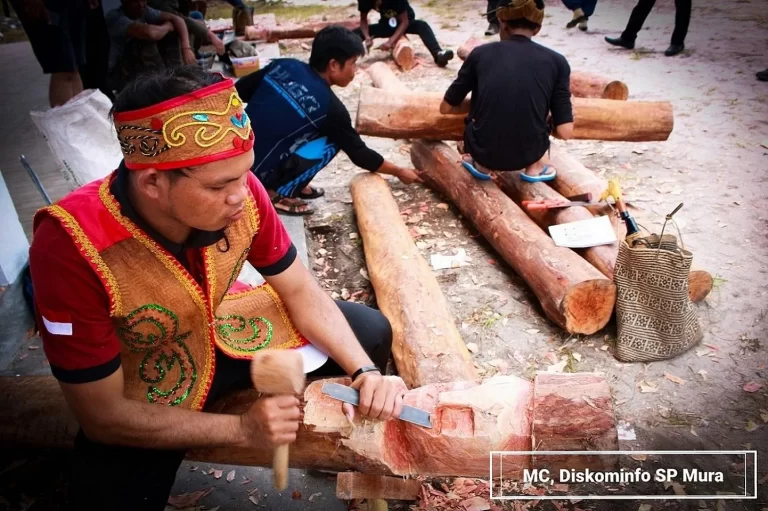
[602,257]
[354,485]
[573,178]
[403,54]
[562,423]
[572,293]
[427,346]
[383,113]
[307,31]
[469,419]
[384,78]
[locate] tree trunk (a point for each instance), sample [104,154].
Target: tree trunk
[384,78]
[561,423]
[588,85]
[469,419]
[602,257]
[572,293]
[583,85]
[308,31]
[383,113]
[354,485]
[427,346]
[403,55]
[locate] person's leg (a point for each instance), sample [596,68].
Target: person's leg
[63,87]
[114,478]
[373,331]
[636,19]
[6,9]
[424,31]
[682,20]
[493,21]
[169,48]
[380,30]
[303,165]
[95,70]
[139,57]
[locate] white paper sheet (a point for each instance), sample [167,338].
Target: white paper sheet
[584,233]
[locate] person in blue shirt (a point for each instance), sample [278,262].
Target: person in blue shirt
[300,125]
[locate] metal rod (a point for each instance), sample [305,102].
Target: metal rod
[36,180]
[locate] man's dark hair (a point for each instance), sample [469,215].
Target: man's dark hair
[337,43]
[153,88]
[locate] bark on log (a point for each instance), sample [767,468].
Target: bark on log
[403,54]
[427,346]
[469,419]
[583,85]
[384,78]
[308,31]
[561,423]
[354,485]
[383,113]
[572,293]
[602,257]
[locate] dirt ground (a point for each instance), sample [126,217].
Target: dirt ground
[714,162]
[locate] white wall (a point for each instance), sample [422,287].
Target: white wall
[14,248]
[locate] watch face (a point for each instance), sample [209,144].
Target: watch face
[393,22]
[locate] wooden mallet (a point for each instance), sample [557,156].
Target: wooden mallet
[279,372]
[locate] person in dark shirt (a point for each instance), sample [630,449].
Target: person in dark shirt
[300,124]
[397,19]
[515,83]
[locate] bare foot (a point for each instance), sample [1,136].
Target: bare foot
[293,206]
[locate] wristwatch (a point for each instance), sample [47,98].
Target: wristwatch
[365,369]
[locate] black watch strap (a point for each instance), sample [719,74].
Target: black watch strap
[365,369]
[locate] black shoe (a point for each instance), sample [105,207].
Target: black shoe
[583,25]
[618,41]
[493,29]
[575,21]
[762,75]
[674,49]
[443,57]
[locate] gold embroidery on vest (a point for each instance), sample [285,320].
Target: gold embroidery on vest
[87,249]
[183,277]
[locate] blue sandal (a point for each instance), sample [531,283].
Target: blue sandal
[542,177]
[482,176]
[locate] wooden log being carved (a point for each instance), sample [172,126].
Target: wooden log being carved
[469,420]
[573,178]
[384,78]
[403,54]
[308,31]
[583,85]
[572,293]
[427,346]
[382,113]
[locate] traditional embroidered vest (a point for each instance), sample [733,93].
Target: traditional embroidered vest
[167,323]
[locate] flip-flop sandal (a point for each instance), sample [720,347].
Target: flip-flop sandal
[314,194]
[542,177]
[482,176]
[293,209]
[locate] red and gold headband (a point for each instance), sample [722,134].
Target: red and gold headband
[206,125]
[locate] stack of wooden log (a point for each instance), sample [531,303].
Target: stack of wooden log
[577,293]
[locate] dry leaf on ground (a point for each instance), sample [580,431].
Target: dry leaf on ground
[476,504]
[753,386]
[751,426]
[186,500]
[218,473]
[675,379]
[254,500]
[314,496]
[230,476]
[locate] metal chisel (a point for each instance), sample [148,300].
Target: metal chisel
[352,396]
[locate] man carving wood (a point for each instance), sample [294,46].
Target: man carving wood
[142,318]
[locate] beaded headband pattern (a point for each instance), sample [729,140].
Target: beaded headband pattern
[203,126]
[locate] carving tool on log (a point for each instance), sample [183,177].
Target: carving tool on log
[352,396]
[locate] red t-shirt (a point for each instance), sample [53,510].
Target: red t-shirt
[68,291]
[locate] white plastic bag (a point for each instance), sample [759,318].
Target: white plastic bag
[82,137]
